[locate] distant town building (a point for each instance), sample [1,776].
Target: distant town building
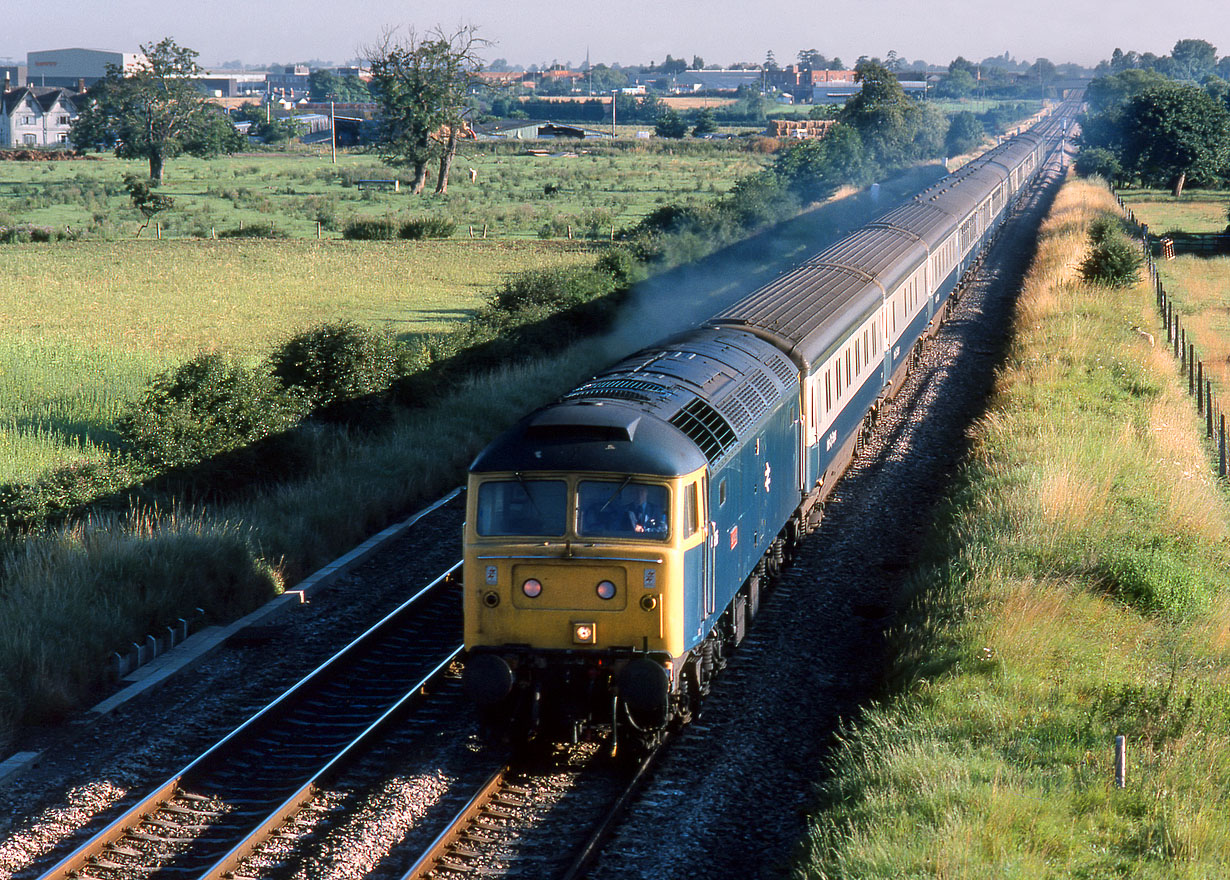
[290,82]
[14,73]
[530,130]
[70,67]
[36,116]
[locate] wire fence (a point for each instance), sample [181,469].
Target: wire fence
[1199,385]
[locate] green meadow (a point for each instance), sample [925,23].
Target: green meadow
[1199,284]
[513,194]
[83,325]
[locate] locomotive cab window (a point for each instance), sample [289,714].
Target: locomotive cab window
[522,507]
[622,510]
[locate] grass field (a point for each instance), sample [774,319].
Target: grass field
[78,341]
[1077,588]
[1199,285]
[514,194]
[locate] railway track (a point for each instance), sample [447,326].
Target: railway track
[208,817]
[534,819]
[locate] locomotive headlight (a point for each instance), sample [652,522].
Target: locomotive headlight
[584,634]
[532,588]
[606,590]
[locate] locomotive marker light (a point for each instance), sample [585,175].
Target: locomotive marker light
[606,590]
[532,588]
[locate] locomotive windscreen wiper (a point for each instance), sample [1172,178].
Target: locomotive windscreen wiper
[526,490]
[615,494]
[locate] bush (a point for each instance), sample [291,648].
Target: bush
[426,227]
[370,229]
[1113,260]
[26,232]
[1100,163]
[336,362]
[206,407]
[551,289]
[253,230]
[1153,581]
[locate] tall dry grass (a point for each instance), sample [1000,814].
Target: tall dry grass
[1076,590]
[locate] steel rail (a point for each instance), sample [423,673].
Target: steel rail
[131,818]
[425,864]
[296,801]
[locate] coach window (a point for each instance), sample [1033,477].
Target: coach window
[828,391]
[848,377]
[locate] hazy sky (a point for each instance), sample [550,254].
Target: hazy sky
[628,31]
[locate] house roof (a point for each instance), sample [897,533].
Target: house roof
[46,96]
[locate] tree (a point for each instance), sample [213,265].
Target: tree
[1043,71]
[1193,60]
[887,120]
[958,84]
[325,85]
[145,200]
[670,125]
[705,123]
[964,133]
[154,112]
[1175,132]
[672,65]
[422,83]
[814,169]
[265,129]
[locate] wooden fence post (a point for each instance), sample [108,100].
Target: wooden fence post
[1221,446]
[1120,761]
[1208,406]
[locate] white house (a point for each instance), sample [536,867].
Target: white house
[34,116]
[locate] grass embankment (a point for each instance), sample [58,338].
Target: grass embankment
[1199,284]
[79,341]
[73,596]
[1076,589]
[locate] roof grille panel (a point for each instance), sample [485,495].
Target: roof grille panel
[764,385]
[752,399]
[737,413]
[783,369]
[620,389]
[705,427]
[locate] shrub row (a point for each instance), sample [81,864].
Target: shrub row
[23,233]
[387,229]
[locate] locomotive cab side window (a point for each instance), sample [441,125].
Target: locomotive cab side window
[522,507]
[691,510]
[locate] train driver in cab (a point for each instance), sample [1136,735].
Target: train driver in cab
[646,514]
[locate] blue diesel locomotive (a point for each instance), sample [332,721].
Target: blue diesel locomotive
[617,541]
